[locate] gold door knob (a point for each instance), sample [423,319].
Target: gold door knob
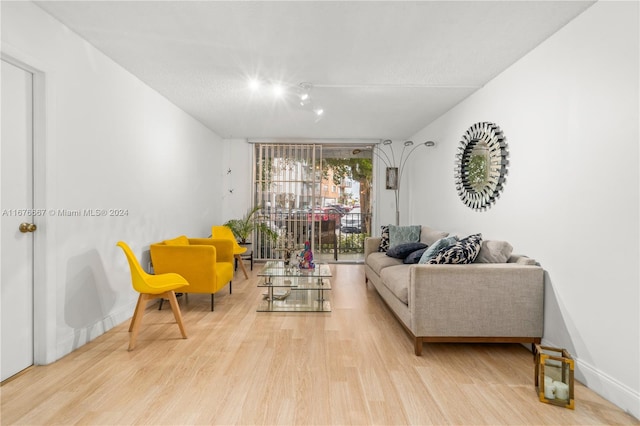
[27,227]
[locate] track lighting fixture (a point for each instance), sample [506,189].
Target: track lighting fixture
[305,93]
[301,93]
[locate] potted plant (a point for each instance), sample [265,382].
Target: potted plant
[242,228]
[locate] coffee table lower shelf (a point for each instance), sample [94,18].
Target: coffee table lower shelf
[299,300]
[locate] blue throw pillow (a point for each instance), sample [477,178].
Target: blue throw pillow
[403,250]
[403,234]
[464,251]
[414,256]
[435,248]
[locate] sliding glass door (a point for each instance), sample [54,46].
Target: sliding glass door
[312,193]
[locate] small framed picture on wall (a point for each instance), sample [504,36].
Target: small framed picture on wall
[392,178]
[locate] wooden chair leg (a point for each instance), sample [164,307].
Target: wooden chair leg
[241,262]
[171,295]
[135,312]
[137,318]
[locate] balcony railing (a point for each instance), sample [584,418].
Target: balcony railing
[336,236]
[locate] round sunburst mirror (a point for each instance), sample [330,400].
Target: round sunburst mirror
[481,165]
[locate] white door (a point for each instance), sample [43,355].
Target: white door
[16,202]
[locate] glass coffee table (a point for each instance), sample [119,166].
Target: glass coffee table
[291,289]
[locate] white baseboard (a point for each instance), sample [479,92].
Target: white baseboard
[609,388]
[79,337]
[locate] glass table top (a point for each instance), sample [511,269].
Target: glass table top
[277,268]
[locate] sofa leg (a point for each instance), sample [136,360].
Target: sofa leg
[211,302]
[418,346]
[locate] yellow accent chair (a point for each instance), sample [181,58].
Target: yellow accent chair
[206,263]
[226,233]
[151,287]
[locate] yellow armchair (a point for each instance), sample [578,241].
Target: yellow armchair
[222,231]
[206,263]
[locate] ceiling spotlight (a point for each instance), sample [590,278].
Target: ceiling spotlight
[254,84]
[387,142]
[305,93]
[408,143]
[305,99]
[429,143]
[319,113]
[278,90]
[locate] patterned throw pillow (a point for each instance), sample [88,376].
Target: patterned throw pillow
[436,247]
[384,241]
[464,251]
[403,234]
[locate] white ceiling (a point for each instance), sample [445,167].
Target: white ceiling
[379,69]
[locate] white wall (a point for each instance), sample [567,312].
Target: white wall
[110,142]
[569,110]
[237,156]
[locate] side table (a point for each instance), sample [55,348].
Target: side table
[247,255]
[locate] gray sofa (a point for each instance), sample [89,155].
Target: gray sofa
[478,302]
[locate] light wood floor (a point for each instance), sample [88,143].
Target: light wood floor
[354,365]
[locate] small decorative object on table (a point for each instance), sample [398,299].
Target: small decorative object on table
[287,247]
[306,257]
[554,376]
[279,294]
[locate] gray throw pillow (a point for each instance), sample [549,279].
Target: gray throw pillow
[435,248]
[403,234]
[403,250]
[414,256]
[429,235]
[494,252]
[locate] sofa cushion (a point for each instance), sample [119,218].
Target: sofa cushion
[396,279]
[429,235]
[464,251]
[384,239]
[178,241]
[414,257]
[403,234]
[401,251]
[379,261]
[436,247]
[494,252]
